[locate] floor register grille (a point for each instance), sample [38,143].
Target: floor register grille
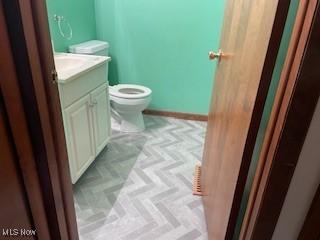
[196,181]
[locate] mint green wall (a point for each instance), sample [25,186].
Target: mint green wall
[164,45]
[268,107]
[80,14]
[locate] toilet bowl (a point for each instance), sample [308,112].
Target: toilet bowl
[127,102]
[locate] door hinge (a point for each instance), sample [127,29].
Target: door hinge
[54,75]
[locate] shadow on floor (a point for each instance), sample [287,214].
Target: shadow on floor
[96,192]
[140,186]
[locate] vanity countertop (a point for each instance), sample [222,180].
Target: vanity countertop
[69,66]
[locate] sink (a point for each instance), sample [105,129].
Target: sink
[69,66]
[65,63]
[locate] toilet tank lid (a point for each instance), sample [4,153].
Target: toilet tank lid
[89,47]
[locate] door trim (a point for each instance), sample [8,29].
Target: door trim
[40,102]
[251,209]
[287,128]
[41,33]
[310,229]
[296,33]
[265,80]
[17,120]
[13,200]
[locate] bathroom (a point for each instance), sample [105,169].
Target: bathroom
[133,176]
[154,120]
[169,56]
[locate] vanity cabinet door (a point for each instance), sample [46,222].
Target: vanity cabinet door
[101,117]
[79,135]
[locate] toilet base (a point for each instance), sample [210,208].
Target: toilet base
[131,122]
[128,112]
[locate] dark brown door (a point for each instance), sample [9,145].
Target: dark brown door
[14,213]
[244,44]
[30,150]
[310,229]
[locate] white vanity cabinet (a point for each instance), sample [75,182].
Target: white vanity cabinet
[86,116]
[78,121]
[101,117]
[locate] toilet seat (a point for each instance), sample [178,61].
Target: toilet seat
[129,91]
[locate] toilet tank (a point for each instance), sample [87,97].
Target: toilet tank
[93,47]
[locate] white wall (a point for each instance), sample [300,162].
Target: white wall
[303,186]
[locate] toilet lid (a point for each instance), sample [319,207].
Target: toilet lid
[129,91]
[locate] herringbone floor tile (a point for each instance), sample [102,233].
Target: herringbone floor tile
[140,187]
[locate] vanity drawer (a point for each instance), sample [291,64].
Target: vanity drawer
[82,85]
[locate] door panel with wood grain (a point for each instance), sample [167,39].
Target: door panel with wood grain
[14,209]
[245,38]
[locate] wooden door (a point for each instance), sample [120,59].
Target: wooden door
[14,208]
[34,118]
[310,229]
[295,103]
[80,136]
[101,117]
[245,39]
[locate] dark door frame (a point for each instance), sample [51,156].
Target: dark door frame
[13,200]
[265,80]
[17,120]
[32,102]
[292,113]
[310,229]
[36,13]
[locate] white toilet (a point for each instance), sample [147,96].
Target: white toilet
[127,102]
